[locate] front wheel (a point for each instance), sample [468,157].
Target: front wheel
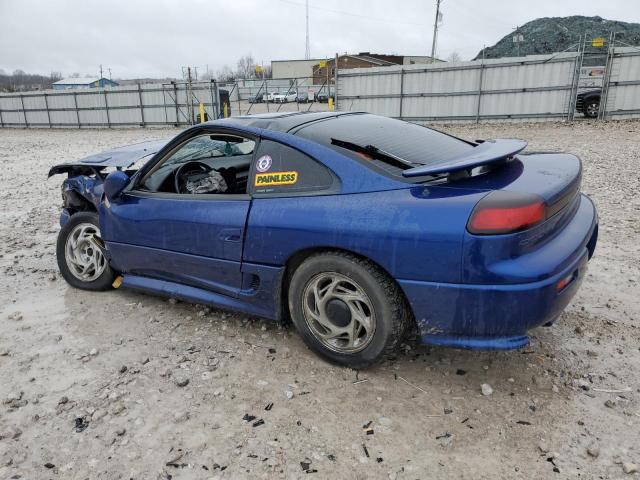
[82,264]
[346,309]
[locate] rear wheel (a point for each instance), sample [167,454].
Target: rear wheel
[81,262]
[346,309]
[591,108]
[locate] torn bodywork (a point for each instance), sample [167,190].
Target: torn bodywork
[82,189]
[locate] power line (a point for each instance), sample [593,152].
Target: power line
[350,14]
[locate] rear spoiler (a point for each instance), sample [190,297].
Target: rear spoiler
[486,153]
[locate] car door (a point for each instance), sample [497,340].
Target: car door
[189,238]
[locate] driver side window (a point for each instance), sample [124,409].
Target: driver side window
[205,164]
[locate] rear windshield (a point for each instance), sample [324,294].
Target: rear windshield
[414,144]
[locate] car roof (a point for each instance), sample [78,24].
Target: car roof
[281,122]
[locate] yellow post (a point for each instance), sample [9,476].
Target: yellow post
[226,109]
[201,112]
[330,103]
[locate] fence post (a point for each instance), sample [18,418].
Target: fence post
[46,106]
[401,91]
[266,94]
[75,102]
[214,106]
[141,106]
[480,87]
[24,113]
[106,107]
[335,84]
[1,119]
[175,100]
[216,89]
[606,79]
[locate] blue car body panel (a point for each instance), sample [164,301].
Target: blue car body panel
[464,290]
[427,247]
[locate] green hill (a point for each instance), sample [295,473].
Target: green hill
[555,34]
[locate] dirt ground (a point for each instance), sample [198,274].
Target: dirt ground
[90,382]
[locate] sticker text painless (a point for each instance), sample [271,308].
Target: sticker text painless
[276,178]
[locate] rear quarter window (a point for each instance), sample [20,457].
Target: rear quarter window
[280,169]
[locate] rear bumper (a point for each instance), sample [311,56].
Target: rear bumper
[498,317]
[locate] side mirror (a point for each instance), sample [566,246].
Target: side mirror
[115,183]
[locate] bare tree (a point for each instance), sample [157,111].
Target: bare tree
[225,74]
[246,67]
[454,57]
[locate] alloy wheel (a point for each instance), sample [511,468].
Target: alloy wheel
[338,312]
[85,261]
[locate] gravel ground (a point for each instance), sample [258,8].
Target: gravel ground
[125,385]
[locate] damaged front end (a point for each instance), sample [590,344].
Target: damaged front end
[83,188]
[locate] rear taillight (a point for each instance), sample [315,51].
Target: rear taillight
[506,212]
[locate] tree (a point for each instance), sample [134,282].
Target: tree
[225,74]
[454,57]
[246,67]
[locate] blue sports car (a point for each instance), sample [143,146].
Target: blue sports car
[358,228]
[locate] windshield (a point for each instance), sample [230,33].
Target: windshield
[400,145]
[210,146]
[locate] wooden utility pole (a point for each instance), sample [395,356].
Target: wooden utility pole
[435,31]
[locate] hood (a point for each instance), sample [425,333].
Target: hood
[121,157]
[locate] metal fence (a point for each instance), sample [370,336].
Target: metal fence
[527,88]
[174,103]
[621,94]
[532,88]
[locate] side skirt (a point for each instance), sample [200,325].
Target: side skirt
[263,301]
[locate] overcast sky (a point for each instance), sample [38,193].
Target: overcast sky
[142,38]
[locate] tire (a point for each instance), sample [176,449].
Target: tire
[591,108]
[84,266]
[325,325]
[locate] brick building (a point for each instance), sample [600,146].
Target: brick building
[364,60]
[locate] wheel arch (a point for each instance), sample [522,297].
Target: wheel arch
[297,258]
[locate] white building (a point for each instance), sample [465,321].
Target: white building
[293,68]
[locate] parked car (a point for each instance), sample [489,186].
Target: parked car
[269,97]
[359,228]
[323,97]
[285,97]
[305,96]
[257,98]
[588,103]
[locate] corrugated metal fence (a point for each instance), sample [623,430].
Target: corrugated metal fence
[137,105]
[622,92]
[532,88]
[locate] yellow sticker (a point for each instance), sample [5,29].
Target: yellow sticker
[276,178]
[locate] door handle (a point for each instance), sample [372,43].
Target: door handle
[230,235]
